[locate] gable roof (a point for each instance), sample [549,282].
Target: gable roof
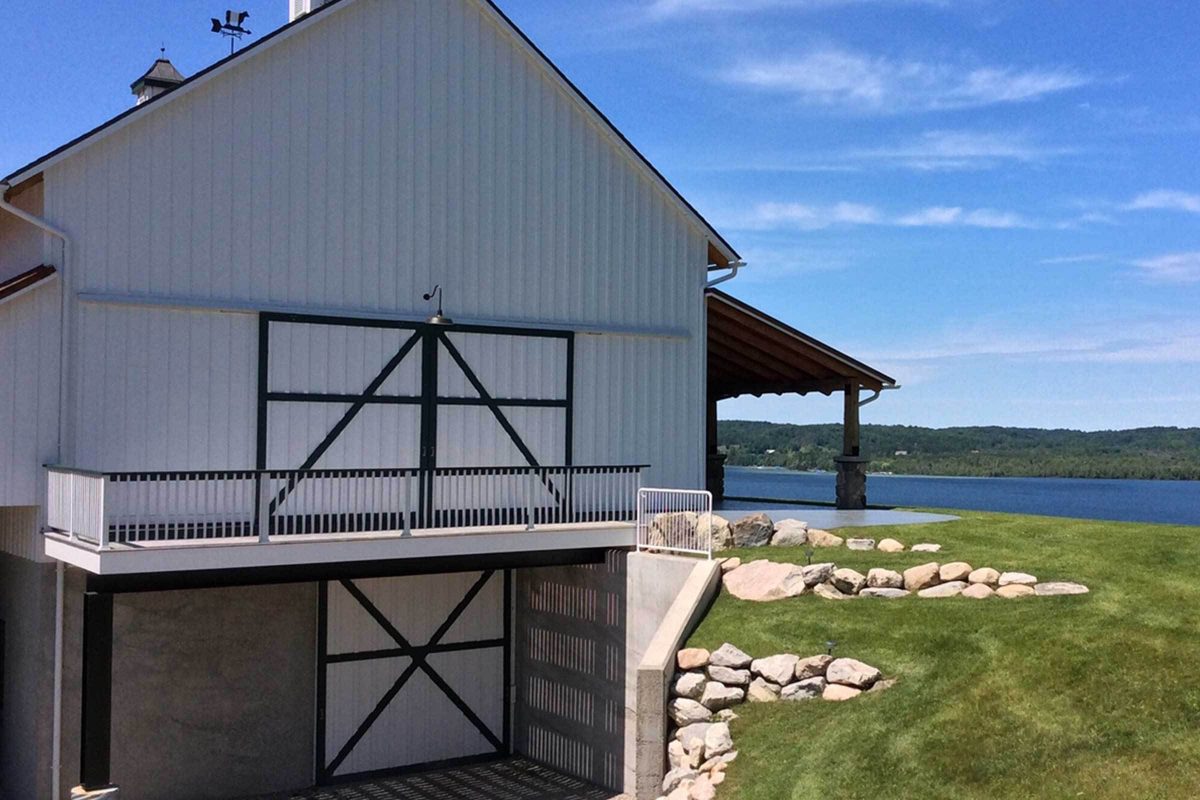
[718,246]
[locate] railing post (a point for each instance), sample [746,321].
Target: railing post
[103,514]
[529,500]
[407,502]
[264,507]
[71,478]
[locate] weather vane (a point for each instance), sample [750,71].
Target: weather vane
[232,28]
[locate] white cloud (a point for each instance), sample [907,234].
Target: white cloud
[839,78]
[1171,268]
[805,217]
[1084,258]
[945,150]
[1165,199]
[674,8]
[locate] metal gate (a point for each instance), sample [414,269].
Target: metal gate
[413,673]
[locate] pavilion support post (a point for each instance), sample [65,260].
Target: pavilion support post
[851,466]
[96,721]
[715,461]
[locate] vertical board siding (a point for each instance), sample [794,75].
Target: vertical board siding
[19,534]
[428,147]
[21,244]
[29,375]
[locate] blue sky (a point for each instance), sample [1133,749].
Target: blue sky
[997,202]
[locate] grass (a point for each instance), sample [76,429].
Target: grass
[1094,696]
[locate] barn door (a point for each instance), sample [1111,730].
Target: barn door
[413,672]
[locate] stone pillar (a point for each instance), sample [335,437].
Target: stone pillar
[851,482]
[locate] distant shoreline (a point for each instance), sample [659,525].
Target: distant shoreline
[882,475]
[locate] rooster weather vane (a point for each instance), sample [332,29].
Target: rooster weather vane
[232,28]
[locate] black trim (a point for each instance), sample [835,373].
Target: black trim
[95,740]
[305,573]
[397,652]
[411,400]
[508,659]
[569,444]
[322,649]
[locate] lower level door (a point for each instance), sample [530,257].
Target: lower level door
[412,673]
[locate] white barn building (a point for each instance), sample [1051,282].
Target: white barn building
[265,521]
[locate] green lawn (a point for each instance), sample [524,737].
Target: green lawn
[1094,696]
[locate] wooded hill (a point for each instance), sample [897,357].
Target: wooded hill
[1158,453]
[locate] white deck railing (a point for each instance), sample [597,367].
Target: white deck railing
[104,508]
[675,520]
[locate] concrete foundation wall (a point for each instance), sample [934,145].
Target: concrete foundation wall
[213,692]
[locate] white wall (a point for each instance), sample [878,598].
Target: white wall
[384,148]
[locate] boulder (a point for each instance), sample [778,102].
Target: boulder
[762,691]
[728,676]
[890,546]
[883,686]
[682,791]
[684,711]
[827,591]
[729,656]
[848,581]
[717,696]
[922,577]
[702,789]
[730,564]
[860,544]
[677,529]
[692,732]
[852,672]
[837,693]
[765,581]
[690,685]
[790,533]
[886,594]
[944,590]
[726,715]
[676,755]
[803,690]
[985,575]
[1054,588]
[879,578]
[718,740]
[1014,590]
[817,573]
[820,538]
[812,667]
[753,531]
[718,526]
[692,658]
[978,591]
[1017,579]
[926,548]
[678,776]
[954,571]
[780,669]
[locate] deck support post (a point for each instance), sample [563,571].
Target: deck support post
[851,466]
[96,718]
[714,460]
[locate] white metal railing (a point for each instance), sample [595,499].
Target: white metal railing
[676,520]
[129,507]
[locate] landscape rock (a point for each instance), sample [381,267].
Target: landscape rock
[702,789]
[879,578]
[986,576]
[954,571]
[790,533]
[718,696]
[722,533]
[762,691]
[817,573]
[764,581]
[885,594]
[690,685]
[926,548]
[812,667]
[729,656]
[820,538]
[1054,588]
[682,791]
[860,544]
[1017,579]
[837,693]
[978,591]
[684,711]
[676,529]
[944,590]
[1015,590]
[827,591]
[730,564]
[852,672]
[753,531]
[729,676]
[678,776]
[692,658]
[806,689]
[726,715]
[676,754]
[718,740]
[848,581]
[922,577]
[780,669]
[692,732]
[882,686]
[890,546]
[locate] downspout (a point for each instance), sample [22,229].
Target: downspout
[875,396]
[59,571]
[733,267]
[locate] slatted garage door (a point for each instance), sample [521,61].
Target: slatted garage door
[413,673]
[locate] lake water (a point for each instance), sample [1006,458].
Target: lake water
[1175,502]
